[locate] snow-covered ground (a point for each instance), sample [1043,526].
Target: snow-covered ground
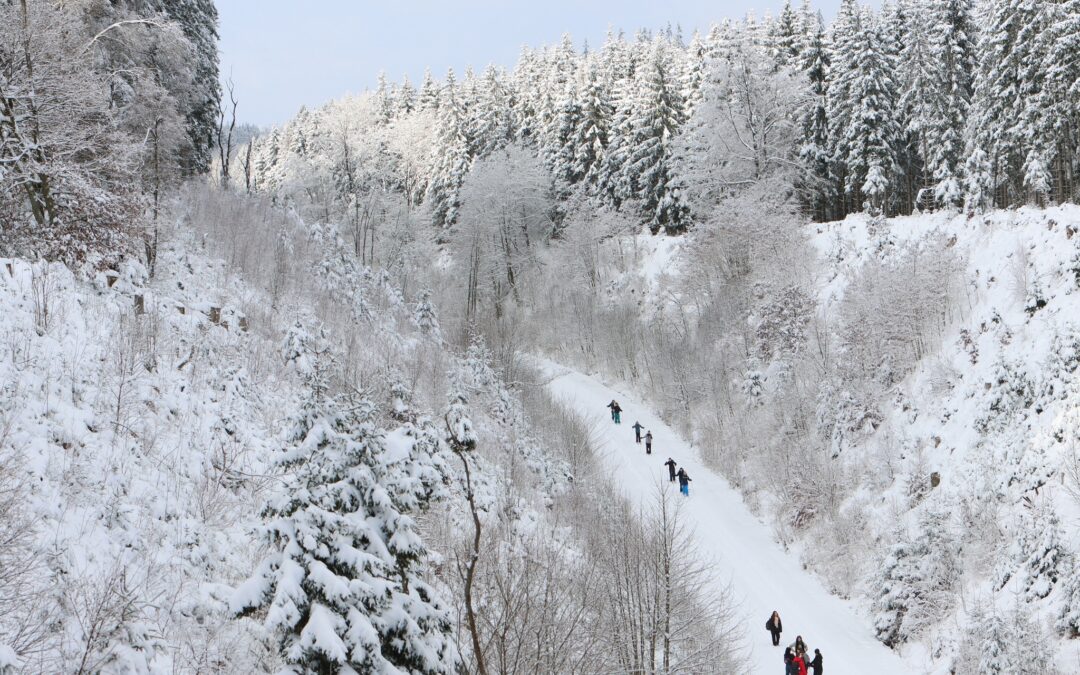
[762,576]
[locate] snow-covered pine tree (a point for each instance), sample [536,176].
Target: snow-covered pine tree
[425,318]
[199,21]
[697,58]
[590,138]
[491,119]
[655,117]
[560,139]
[915,584]
[917,106]
[406,97]
[786,38]
[1042,555]
[1068,617]
[871,138]
[452,159]
[814,143]
[952,50]
[1060,96]
[841,104]
[384,101]
[343,588]
[428,98]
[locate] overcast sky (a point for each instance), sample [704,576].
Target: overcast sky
[282,54]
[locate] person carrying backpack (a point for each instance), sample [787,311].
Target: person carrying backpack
[670,464]
[800,663]
[637,431]
[775,627]
[648,442]
[684,482]
[789,663]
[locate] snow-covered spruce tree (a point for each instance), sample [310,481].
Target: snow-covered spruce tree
[841,104]
[491,121]
[917,105]
[343,587]
[871,138]
[648,133]
[916,582]
[952,50]
[590,138]
[785,37]
[1068,617]
[1038,554]
[452,159]
[424,316]
[814,141]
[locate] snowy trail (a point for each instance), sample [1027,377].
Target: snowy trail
[762,576]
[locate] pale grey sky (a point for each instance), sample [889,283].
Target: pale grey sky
[283,54]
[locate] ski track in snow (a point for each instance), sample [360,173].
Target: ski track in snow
[762,576]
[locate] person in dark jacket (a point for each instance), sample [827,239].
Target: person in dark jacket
[775,626]
[615,410]
[684,482]
[670,464]
[637,431]
[648,442]
[789,663]
[816,663]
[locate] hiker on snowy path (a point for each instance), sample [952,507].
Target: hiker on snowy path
[615,410]
[637,431]
[789,663]
[816,663]
[775,626]
[670,464]
[800,663]
[798,647]
[648,443]
[684,482]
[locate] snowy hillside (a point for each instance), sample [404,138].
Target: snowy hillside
[980,441]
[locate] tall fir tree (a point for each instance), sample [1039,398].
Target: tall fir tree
[655,117]
[343,587]
[871,139]
[452,160]
[814,143]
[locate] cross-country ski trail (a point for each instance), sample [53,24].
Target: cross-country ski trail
[762,576]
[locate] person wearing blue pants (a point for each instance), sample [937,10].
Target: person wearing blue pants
[684,481]
[615,410]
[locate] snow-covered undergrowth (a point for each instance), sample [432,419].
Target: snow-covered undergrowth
[134,431]
[145,423]
[975,502]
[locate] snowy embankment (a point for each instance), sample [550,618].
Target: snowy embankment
[762,576]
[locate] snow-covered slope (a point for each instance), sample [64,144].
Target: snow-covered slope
[985,429]
[762,576]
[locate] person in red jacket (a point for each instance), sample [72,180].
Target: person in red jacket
[800,663]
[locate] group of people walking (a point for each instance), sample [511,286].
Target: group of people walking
[680,475]
[797,660]
[796,657]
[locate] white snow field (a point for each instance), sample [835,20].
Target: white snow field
[762,576]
